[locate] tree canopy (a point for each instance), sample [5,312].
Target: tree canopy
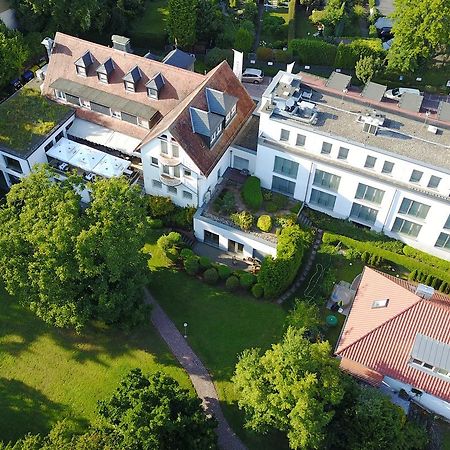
[70,264]
[421,32]
[182,22]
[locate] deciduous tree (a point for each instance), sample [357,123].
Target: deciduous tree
[182,22]
[366,67]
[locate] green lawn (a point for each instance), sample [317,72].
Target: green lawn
[47,374]
[303,26]
[220,326]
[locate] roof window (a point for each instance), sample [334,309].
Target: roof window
[380,303]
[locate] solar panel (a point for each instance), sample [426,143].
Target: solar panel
[373,91]
[443,112]
[411,102]
[338,81]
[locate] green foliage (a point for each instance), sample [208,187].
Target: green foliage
[359,11]
[232,283]
[170,244]
[186,253]
[209,21]
[182,22]
[247,280]
[257,290]
[286,220]
[373,33]
[181,217]
[278,273]
[224,271]
[205,262]
[282,56]
[273,26]
[154,224]
[14,52]
[159,206]
[251,193]
[264,223]
[211,276]
[265,54]
[349,54]
[331,15]
[243,220]
[191,265]
[426,258]
[225,203]
[367,67]
[271,207]
[250,11]
[216,55]
[293,387]
[291,19]
[309,51]
[304,316]
[243,40]
[422,32]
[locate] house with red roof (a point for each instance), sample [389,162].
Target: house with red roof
[397,334]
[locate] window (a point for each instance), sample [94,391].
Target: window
[406,227]
[129,118]
[387,167]
[101,109]
[363,213]
[59,94]
[380,303]
[164,148]
[48,146]
[285,167]
[116,114]
[81,71]
[428,366]
[416,175]
[156,184]
[447,223]
[300,140]
[443,241]
[129,86]
[187,195]
[283,186]
[211,238]
[13,164]
[235,247]
[414,209]
[59,136]
[176,172]
[284,136]
[152,93]
[326,148]
[369,193]
[343,153]
[370,162]
[143,122]
[175,150]
[73,99]
[172,190]
[322,199]
[85,104]
[166,170]
[434,182]
[187,173]
[102,77]
[154,161]
[326,180]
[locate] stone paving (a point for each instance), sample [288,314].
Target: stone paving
[199,375]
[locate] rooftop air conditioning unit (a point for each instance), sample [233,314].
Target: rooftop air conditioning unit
[424,291]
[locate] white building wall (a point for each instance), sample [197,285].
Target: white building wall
[244,154]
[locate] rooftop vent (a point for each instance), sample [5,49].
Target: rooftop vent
[121,43]
[380,303]
[424,291]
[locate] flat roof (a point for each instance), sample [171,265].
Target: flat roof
[373,91]
[338,81]
[27,119]
[410,102]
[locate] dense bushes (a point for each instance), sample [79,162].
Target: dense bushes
[257,290]
[311,51]
[154,224]
[251,193]
[164,209]
[247,280]
[264,223]
[170,244]
[291,19]
[232,283]
[348,54]
[159,206]
[216,55]
[426,258]
[224,271]
[191,265]
[278,273]
[211,276]
[243,220]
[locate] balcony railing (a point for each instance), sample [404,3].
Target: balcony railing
[169,180]
[168,160]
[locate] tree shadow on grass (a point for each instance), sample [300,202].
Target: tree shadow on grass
[26,410]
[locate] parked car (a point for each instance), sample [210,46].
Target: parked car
[396,93]
[255,76]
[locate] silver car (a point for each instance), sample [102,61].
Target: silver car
[255,76]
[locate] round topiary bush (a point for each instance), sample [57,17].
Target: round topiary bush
[224,271]
[247,280]
[191,265]
[264,223]
[205,262]
[186,253]
[154,224]
[211,276]
[257,290]
[232,283]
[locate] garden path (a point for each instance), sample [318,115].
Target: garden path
[199,375]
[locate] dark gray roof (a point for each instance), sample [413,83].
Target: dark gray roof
[220,102]
[411,102]
[204,122]
[104,98]
[156,82]
[107,67]
[85,61]
[133,76]
[431,351]
[150,55]
[338,81]
[374,91]
[180,59]
[443,112]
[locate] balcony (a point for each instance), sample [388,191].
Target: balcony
[169,180]
[168,160]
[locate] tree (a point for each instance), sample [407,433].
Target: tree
[156,413]
[421,32]
[366,67]
[181,22]
[305,315]
[243,40]
[209,22]
[331,15]
[14,52]
[293,387]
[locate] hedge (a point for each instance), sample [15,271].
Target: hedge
[224,271]
[257,290]
[311,51]
[232,283]
[348,54]
[434,261]
[251,193]
[247,280]
[211,276]
[372,248]
[154,224]
[205,262]
[191,265]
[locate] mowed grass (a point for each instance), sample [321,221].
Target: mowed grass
[220,326]
[47,374]
[154,19]
[303,26]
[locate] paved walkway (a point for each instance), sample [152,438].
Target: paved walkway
[197,372]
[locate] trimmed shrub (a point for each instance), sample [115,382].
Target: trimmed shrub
[243,220]
[426,258]
[191,265]
[264,223]
[251,193]
[309,51]
[216,55]
[257,290]
[232,283]
[154,224]
[247,280]
[160,206]
[286,220]
[282,56]
[271,207]
[169,244]
[186,253]
[264,54]
[348,54]
[181,217]
[412,275]
[205,262]
[211,276]
[224,271]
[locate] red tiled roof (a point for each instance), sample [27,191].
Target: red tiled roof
[384,345]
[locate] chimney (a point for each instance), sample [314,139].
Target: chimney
[48,43]
[121,43]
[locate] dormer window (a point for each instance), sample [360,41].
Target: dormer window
[105,70]
[230,115]
[131,79]
[82,64]
[206,124]
[221,103]
[154,86]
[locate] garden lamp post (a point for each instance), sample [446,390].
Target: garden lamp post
[185,329]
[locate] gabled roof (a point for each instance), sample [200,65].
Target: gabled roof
[204,122]
[134,75]
[156,82]
[381,340]
[85,61]
[219,102]
[106,68]
[180,59]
